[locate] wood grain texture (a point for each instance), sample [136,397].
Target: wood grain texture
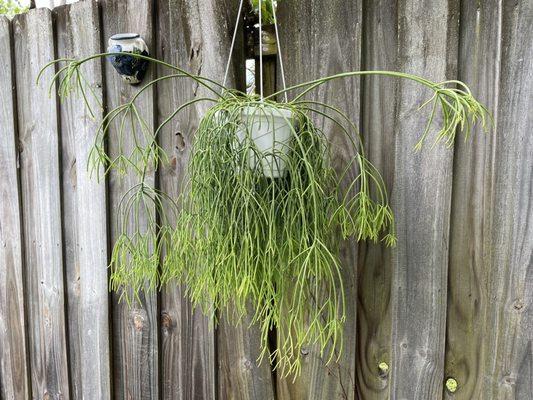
[490,322]
[319,39]
[378,113]
[421,197]
[84,210]
[135,327]
[240,375]
[41,200]
[512,237]
[511,318]
[187,342]
[13,353]
[187,345]
[470,270]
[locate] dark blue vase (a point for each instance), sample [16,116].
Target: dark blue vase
[132,69]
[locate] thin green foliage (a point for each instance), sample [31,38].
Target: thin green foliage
[236,237]
[10,8]
[145,217]
[244,238]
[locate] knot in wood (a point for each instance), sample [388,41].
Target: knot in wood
[138,321]
[247,364]
[509,380]
[383,370]
[518,305]
[180,142]
[166,320]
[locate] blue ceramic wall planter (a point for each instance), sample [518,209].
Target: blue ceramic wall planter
[131,69]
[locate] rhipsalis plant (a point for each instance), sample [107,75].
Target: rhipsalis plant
[242,235]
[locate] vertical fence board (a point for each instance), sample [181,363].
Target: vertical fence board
[40,182]
[187,341]
[489,349]
[319,39]
[467,348]
[511,319]
[421,197]
[84,210]
[13,353]
[380,33]
[135,327]
[509,370]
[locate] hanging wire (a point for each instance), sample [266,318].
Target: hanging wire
[278,44]
[233,43]
[260,51]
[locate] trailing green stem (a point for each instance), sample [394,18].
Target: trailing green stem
[236,237]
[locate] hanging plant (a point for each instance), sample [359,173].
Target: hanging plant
[261,218]
[263,207]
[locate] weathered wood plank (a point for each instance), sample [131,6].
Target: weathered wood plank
[13,353]
[240,375]
[380,32]
[41,200]
[511,319]
[421,197]
[470,242]
[187,342]
[135,327]
[319,39]
[490,323]
[84,210]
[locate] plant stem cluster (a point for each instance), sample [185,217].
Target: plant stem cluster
[241,242]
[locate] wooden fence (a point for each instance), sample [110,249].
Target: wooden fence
[447,314]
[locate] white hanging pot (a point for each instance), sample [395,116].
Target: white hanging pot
[270,129]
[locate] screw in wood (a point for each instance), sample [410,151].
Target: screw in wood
[383,369]
[451,385]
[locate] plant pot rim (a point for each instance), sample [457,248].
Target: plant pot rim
[276,113]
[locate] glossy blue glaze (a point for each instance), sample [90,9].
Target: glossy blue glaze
[131,68]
